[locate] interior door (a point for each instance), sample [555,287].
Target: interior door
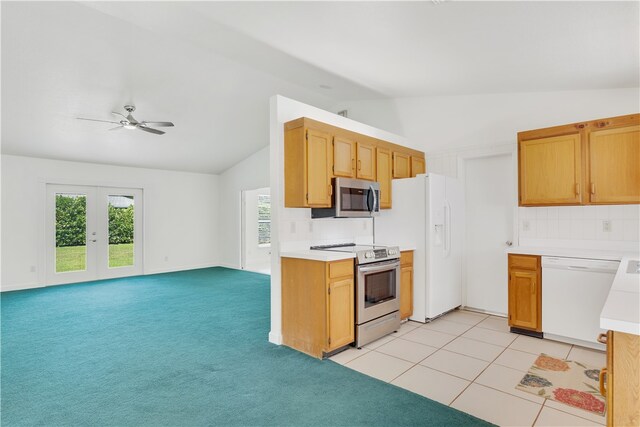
[489,200]
[92,233]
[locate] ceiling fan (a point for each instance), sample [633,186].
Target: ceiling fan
[128,122]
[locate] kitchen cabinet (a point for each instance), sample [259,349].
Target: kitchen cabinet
[620,381]
[417,166]
[593,162]
[318,308]
[550,170]
[401,165]
[316,152]
[344,157]
[525,293]
[307,168]
[383,168]
[366,161]
[614,171]
[406,284]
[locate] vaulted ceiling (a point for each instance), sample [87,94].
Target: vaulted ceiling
[210,67]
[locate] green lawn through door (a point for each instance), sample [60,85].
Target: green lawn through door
[73,258]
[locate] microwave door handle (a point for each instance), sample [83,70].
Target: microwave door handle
[368,197]
[372,191]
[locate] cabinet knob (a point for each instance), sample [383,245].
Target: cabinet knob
[581,125]
[602,338]
[602,124]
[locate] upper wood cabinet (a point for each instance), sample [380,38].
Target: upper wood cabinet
[401,165]
[383,168]
[344,157]
[525,292]
[417,165]
[366,161]
[307,168]
[614,165]
[594,162]
[315,152]
[550,170]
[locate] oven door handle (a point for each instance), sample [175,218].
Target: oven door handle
[380,266]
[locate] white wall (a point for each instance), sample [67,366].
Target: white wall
[453,128]
[180,214]
[249,174]
[293,229]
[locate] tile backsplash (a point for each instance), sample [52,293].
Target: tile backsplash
[587,226]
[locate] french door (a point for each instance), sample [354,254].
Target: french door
[92,233]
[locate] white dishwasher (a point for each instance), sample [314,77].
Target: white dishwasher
[574,291]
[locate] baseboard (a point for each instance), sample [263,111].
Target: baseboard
[181,268]
[275,338]
[21,287]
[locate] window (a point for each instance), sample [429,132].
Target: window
[264,220]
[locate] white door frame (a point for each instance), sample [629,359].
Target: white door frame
[99,189]
[478,153]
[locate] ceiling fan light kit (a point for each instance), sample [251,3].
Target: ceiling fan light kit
[129,122]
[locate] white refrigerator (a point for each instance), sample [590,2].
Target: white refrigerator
[427,215]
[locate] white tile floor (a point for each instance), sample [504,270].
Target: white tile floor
[471,362]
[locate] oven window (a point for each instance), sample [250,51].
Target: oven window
[379,287]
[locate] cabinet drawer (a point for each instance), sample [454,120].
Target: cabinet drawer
[525,262]
[341,268]
[406,258]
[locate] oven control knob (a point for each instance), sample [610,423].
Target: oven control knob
[393,252]
[368,255]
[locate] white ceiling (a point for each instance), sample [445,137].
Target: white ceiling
[210,67]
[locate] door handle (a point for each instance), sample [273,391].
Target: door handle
[602,338]
[509,243]
[601,380]
[93,240]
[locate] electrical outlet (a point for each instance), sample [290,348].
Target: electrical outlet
[292,228]
[526,225]
[606,226]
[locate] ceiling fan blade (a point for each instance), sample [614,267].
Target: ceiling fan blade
[116,128]
[96,120]
[151,130]
[119,114]
[158,124]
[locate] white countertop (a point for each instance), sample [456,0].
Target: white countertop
[603,254]
[621,311]
[326,256]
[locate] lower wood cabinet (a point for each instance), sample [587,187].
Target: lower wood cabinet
[620,381]
[318,307]
[525,292]
[406,284]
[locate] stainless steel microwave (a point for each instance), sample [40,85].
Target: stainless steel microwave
[352,198]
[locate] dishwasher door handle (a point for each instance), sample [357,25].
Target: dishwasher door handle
[577,267]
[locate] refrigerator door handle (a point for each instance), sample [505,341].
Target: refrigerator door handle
[447,228]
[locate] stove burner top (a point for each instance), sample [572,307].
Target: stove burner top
[364,253]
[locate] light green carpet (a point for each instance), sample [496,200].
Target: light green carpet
[182,349]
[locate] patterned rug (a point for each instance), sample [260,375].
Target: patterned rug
[565,381]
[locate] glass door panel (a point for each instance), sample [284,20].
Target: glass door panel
[71,232]
[121,230]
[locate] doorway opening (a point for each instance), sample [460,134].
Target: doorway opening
[92,233]
[256,230]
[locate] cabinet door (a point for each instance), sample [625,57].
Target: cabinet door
[366,161]
[401,165]
[383,158]
[344,157]
[318,165]
[614,165]
[417,166]
[406,292]
[340,314]
[523,299]
[550,170]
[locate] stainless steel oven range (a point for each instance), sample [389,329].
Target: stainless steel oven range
[377,293]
